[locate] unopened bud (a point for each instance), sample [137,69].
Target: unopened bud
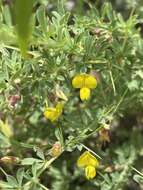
[56,149]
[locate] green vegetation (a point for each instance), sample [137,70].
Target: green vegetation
[45,122]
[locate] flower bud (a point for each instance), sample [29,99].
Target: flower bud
[56,149]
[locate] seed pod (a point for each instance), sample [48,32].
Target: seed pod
[10,160]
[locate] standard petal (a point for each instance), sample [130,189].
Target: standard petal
[83,160]
[78,81]
[87,159]
[50,114]
[90,81]
[92,160]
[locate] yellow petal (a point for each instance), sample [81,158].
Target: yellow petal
[53,113]
[90,172]
[59,108]
[87,159]
[50,113]
[78,81]
[84,93]
[84,80]
[90,81]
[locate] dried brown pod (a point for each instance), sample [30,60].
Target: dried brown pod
[104,135]
[10,160]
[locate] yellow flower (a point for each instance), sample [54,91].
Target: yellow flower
[90,172]
[85,82]
[87,159]
[89,163]
[53,113]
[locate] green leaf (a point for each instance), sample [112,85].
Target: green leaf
[7,15]
[39,153]
[12,181]
[7,35]
[30,161]
[23,16]
[20,175]
[42,19]
[59,135]
[138,178]
[5,185]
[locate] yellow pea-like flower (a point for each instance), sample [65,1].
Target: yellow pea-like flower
[89,163]
[87,159]
[90,172]
[85,82]
[53,113]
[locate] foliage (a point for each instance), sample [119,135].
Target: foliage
[63,44]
